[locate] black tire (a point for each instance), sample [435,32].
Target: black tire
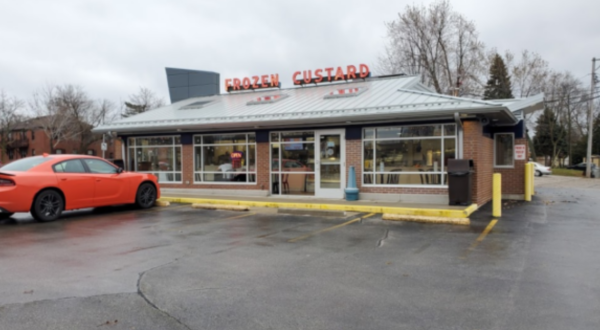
[47,206]
[5,215]
[538,173]
[146,196]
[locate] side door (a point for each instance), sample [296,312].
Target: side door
[75,183]
[110,187]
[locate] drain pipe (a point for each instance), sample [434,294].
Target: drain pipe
[459,143]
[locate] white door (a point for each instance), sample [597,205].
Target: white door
[330,164]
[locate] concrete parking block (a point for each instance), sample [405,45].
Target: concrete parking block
[426,219]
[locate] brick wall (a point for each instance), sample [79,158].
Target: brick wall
[354,158]
[39,142]
[481,150]
[513,179]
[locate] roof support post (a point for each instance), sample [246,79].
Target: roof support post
[459,142]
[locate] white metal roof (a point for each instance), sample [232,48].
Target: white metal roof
[383,99]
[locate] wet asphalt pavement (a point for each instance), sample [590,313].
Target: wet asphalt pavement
[179,268]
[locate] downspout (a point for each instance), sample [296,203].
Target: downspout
[459,143]
[123,155]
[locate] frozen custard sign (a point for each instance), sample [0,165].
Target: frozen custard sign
[317,76]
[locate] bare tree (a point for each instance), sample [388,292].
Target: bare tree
[567,100]
[10,116]
[438,43]
[51,117]
[143,101]
[84,112]
[529,73]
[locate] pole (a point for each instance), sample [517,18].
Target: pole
[528,180]
[569,130]
[497,196]
[103,151]
[588,159]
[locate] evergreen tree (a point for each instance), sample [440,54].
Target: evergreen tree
[498,86]
[550,137]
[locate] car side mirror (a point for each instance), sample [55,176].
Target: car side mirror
[119,170]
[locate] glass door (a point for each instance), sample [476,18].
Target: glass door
[330,165]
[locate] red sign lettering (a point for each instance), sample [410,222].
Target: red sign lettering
[350,73]
[256,82]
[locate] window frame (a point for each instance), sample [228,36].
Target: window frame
[201,173]
[512,165]
[279,171]
[442,137]
[132,148]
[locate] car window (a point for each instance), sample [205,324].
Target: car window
[69,166]
[100,166]
[25,164]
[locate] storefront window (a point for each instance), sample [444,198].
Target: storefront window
[160,156]
[293,163]
[408,155]
[504,150]
[225,158]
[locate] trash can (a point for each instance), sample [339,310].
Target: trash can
[460,173]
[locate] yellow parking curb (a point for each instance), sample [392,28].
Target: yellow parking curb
[424,211]
[162,203]
[219,207]
[417,218]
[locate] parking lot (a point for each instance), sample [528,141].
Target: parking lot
[179,268]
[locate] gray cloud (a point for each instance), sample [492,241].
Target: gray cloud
[112,48]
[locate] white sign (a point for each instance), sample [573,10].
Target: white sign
[520,152]
[103,146]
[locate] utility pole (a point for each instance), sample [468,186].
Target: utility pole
[588,159]
[569,128]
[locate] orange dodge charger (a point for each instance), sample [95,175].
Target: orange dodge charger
[46,185]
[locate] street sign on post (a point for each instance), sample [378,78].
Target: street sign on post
[103,146]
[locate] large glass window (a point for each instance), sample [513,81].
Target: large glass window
[504,149]
[225,158]
[293,163]
[408,155]
[160,156]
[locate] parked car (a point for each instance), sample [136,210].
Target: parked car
[542,170]
[583,167]
[49,184]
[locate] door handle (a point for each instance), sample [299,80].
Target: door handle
[98,180]
[63,179]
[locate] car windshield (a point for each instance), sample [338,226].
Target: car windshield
[25,164]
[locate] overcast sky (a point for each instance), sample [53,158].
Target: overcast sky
[111,48]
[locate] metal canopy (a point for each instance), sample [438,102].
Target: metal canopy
[383,100]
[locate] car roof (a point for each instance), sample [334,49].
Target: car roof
[69,156]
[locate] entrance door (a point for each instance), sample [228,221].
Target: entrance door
[330,164]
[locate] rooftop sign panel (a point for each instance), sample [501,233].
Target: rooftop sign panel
[349,72]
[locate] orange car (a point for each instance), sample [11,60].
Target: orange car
[46,185]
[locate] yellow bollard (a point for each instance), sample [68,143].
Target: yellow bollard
[528,179]
[532,179]
[497,197]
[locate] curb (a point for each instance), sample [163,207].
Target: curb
[416,218]
[162,203]
[443,213]
[220,207]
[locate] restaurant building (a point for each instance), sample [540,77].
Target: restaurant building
[398,134]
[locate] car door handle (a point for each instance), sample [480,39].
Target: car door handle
[98,180]
[63,179]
